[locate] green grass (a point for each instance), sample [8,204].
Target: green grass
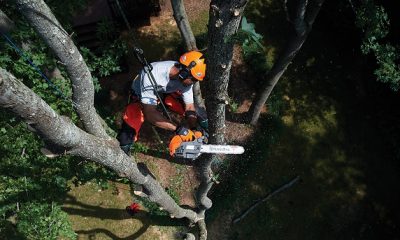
[100,214]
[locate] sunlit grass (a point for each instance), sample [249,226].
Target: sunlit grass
[100,214]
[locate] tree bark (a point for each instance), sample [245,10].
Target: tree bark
[302,23]
[61,132]
[5,23]
[50,30]
[224,21]
[183,24]
[182,21]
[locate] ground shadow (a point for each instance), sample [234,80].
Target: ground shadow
[146,218]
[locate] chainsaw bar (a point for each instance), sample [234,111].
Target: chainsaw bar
[194,149]
[222,149]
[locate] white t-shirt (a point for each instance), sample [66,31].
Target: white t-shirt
[144,89]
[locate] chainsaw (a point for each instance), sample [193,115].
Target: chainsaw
[193,149]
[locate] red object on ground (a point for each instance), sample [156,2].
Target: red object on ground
[133,208]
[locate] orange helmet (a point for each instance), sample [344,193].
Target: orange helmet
[195,63]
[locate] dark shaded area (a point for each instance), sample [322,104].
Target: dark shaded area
[88,23]
[147,219]
[137,12]
[350,187]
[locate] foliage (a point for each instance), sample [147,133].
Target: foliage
[27,177]
[253,49]
[247,37]
[65,10]
[106,31]
[107,63]
[44,222]
[252,39]
[139,148]
[233,106]
[154,209]
[374,22]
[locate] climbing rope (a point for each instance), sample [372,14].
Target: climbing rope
[36,68]
[139,54]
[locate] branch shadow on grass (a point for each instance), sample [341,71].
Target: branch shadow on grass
[146,218]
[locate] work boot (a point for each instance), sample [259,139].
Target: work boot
[126,149]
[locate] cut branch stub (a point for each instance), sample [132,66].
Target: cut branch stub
[219,23]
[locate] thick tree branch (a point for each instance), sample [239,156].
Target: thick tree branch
[5,23]
[293,46]
[268,196]
[61,132]
[50,30]
[285,7]
[301,9]
[313,13]
[183,24]
[182,21]
[299,23]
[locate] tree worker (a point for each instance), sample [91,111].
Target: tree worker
[174,81]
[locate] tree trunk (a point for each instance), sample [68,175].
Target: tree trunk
[5,23]
[182,21]
[303,21]
[224,21]
[183,24]
[274,75]
[50,30]
[61,132]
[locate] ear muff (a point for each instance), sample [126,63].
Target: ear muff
[183,74]
[185,71]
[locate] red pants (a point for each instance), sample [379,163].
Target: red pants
[134,118]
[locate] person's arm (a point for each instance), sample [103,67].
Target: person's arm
[157,118]
[189,107]
[190,115]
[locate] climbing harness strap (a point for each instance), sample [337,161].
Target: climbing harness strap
[147,67]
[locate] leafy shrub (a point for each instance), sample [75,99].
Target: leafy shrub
[374,22]
[154,209]
[44,222]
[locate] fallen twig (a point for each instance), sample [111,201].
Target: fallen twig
[268,196]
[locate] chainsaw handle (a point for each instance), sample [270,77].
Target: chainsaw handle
[177,140]
[174,144]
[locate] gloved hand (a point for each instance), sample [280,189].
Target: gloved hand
[191,119]
[185,134]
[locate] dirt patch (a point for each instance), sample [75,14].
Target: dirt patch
[179,178]
[237,133]
[193,8]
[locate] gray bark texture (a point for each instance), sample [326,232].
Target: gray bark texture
[61,132]
[302,21]
[50,30]
[224,21]
[182,21]
[225,17]
[5,23]
[183,24]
